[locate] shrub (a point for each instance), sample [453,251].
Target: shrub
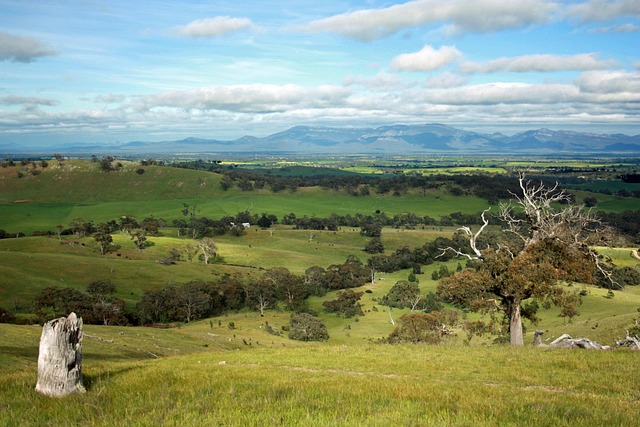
[6,316]
[305,327]
[423,328]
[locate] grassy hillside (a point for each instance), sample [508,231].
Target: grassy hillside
[73,189]
[207,373]
[188,376]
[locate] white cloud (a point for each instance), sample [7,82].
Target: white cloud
[604,10]
[445,81]
[623,28]
[22,49]
[25,101]
[252,98]
[214,27]
[464,15]
[539,63]
[381,81]
[610,82]
[427,59]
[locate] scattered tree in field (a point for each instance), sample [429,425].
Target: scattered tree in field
[374,246]
[403,294]
[264,222]
[305,327]
[6,316]
[347,304]
[624,276]
[151,226]
[127,224]
[80,227]
[101,289]
[172,258]
[238,230]
[59,230]
[208,248]
[193,300]
[429,328]
[553,246]
[106,307]
[104,241]
[370,229]
[190,251]
[139,239]
[590,202]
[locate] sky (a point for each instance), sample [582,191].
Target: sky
[91,71]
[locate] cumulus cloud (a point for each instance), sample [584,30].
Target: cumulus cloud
[539,63]
[22,49]
[381,81]
[12,100]
[251,98]
[446,80]
[464,16]
[427,59]
[610,82]
[604,10]
[623,28]
[213,27]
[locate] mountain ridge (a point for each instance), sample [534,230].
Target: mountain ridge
[388,139]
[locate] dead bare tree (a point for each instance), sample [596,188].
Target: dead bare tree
[553,245]
[60,357]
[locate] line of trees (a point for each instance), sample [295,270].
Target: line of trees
[275,288]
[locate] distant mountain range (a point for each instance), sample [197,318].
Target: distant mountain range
[397,139]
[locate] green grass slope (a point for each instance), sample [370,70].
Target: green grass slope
[144,377]
[73,189]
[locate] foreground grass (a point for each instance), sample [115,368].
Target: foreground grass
[329,385]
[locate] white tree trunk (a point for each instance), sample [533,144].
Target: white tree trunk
[60,358]
[515,326]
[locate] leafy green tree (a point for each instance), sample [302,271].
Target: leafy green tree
[208,248]
[429,328]
[315,281]
[262,294]
[403,294]
[193,300]
[264,222]
[370,229]
[624,276]
[139,239]
[430,303]
[106,307]
[6,316]
[374,246]
[305,327]
[104,241]
[128,223]
[554,246]
[55,302]
[347,304]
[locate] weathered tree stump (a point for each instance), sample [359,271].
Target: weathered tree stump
[60,358]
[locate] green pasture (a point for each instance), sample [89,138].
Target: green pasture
[189,376]
[33,214]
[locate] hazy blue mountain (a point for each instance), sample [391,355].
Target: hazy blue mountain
[396,139]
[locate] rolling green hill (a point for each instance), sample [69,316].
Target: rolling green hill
[73,189]
[230,370]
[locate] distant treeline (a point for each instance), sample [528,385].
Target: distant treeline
[491,187]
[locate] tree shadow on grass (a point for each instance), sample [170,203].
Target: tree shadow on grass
[90,381]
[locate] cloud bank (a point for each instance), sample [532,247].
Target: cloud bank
[464,16]
[22,49]
[213,27]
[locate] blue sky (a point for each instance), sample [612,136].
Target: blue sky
[117,71]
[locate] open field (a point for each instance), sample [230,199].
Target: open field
[198,381]
[207,373]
